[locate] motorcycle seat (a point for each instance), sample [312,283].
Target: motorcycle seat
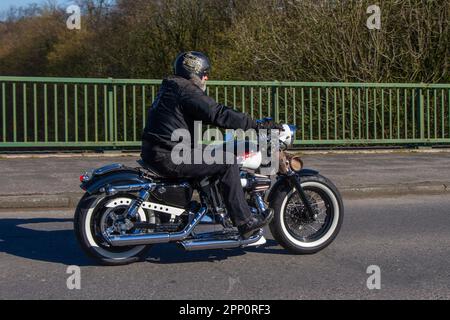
[150,170]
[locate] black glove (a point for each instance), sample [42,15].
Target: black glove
[268,124]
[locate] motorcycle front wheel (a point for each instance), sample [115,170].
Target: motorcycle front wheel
[292,227]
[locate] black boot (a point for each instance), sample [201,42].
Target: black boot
[255,223]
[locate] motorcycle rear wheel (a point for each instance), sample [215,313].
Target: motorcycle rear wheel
[92,216]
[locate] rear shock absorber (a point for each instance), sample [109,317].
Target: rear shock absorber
[144,194]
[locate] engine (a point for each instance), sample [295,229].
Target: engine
[255,182]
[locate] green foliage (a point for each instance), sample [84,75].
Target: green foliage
[305,40]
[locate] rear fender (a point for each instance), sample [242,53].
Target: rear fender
[117,177]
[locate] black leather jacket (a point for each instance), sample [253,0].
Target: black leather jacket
[179,103]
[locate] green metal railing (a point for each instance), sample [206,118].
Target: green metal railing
[104,113]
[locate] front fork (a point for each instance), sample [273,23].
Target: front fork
[295,181]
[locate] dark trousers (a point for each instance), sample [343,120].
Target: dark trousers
[232,192]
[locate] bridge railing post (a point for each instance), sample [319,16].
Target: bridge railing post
[418,92]
[111,111]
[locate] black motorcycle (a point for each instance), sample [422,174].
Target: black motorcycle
[126,210]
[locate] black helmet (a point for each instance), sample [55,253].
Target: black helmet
[190,64]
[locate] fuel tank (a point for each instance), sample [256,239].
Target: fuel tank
[246,153]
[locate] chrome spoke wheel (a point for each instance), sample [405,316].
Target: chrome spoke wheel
[106,218]
[297,220]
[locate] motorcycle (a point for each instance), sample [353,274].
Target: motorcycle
[126,210]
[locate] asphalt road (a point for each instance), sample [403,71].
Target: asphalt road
[407,237]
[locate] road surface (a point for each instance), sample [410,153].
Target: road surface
[408,238]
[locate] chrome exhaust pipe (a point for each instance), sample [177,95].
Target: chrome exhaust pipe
[201,244]
[152,238]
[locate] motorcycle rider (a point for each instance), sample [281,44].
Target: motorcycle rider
[182,100]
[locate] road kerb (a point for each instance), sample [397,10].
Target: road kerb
[70,200]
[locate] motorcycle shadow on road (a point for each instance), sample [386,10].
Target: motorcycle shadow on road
[42,239]
[53,240]
[172,253]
